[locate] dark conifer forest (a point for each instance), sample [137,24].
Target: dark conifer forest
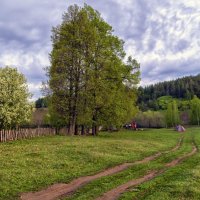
[182,88]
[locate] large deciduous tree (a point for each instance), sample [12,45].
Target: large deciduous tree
[195,111]
[90,83]
[15,108]
[172,114]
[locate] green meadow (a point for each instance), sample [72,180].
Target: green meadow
[31,165]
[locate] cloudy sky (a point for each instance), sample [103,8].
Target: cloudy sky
[163,35]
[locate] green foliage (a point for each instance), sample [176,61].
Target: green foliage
[172,114]
[181,88]
[90,83]
[164,101]
[150,119]
[54,119]
[195,111]
[183,105]
[15,108]
[41,103]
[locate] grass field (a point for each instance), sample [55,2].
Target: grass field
[31,165]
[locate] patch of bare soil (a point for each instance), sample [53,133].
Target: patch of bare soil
[59,190]
[116,192]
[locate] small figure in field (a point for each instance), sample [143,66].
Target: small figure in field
[134,125]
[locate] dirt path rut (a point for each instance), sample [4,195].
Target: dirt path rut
[116,192]
[61,189]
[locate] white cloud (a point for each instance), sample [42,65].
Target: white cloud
[31,64]
[34,89]
[162,35]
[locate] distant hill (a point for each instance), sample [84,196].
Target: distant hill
[181,88]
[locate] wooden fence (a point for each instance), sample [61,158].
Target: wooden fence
[10,135]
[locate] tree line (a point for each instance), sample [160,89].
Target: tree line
[171,114]
[181,88]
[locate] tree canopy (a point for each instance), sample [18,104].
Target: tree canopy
[172,114]
[15,108]
[41,102]
[195,111]
[90,83]
[181,88]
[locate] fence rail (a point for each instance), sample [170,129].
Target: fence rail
[24,133]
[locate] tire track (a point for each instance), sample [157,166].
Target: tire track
[61,189]
[116,192]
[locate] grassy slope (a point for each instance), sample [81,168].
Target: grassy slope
[30,165]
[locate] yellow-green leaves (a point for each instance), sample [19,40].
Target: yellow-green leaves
[91,84]
[195,111]
[14,106]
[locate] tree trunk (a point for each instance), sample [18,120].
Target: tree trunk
[88,131]
[71,125]
[57,130]
[71,128]
[76,130]
[82,130]
[94,130]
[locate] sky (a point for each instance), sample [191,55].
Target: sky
[162,35]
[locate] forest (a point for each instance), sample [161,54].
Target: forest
[182,88]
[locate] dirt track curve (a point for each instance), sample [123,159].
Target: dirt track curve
[61,189]
[116,192]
